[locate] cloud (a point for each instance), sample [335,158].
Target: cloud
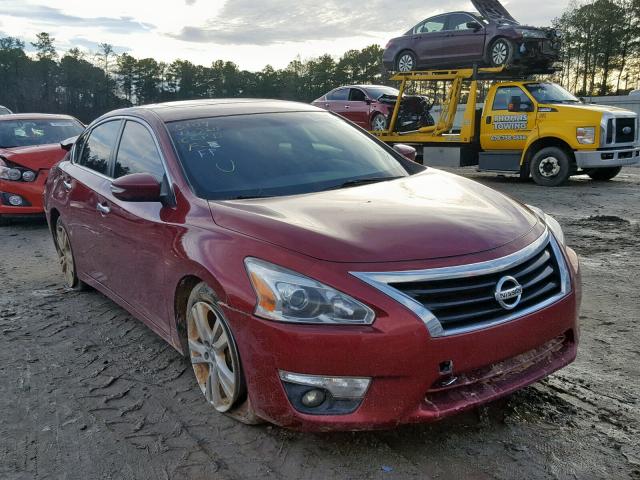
[242,22]
[53,16]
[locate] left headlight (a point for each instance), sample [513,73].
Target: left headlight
[287,296]
[551,222]
[15,174]
[586,135]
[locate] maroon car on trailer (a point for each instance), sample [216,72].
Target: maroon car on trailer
[314,277]
[490,37]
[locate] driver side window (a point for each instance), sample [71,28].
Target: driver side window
[504,95]
[357,95]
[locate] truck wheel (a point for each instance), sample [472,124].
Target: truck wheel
[406,62]
[603,174]
[501,53]
[550,167]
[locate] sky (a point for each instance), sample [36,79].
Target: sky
[251,33]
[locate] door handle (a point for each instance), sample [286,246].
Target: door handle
[347,107]
[67,184]
[488,120]
[103,208]
[327,105]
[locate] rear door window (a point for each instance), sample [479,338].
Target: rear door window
[96,153]
[339,94]
[431,25]
[138,153]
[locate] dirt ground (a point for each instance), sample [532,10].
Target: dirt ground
[88,392]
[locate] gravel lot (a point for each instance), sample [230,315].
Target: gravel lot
[88,392]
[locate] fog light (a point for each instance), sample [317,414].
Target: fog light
[313,398]
[339,387]
[15,200]
[28,176]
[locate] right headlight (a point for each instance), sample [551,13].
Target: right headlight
[551,222]
[586,135]
[287,296]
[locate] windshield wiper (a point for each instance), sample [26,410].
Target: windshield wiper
[362,181]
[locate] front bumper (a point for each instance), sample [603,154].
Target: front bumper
[30,191]
[404,363]
[619,157]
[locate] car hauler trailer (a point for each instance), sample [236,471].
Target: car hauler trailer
[525,127]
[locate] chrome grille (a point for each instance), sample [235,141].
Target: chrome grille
[468,301]
[459,299]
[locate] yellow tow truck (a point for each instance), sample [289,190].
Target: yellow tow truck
[525,127]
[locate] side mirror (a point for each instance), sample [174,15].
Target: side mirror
[137,187]
[515,104]
[475,26]
[406,151]
[68,143]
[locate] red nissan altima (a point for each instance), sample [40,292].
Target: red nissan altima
[315,277]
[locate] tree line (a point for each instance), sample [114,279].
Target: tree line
[600,55]
[86,86]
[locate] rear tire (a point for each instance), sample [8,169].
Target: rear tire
[501,53]
[67,260]
[603,174]
[550,167]
[406,61]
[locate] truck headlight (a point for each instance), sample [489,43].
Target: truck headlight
[551,223]
[586,135]
[287,296]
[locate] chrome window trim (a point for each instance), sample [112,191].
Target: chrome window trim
[124,119]
[381,280]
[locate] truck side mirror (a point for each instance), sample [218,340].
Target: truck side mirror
[515,104]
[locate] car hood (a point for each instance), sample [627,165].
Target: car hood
[35,158]
[577,108]
[492,10]
[429,215]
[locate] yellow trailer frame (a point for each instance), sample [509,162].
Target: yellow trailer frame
[439,133]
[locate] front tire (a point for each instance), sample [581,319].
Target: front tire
[212,350]
[406,62]
[66,258]
[550,167]
[501,53]
[378,122]
[603,174]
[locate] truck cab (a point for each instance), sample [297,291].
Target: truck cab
[525,127]
[539,128]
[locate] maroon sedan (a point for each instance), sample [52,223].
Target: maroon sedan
[315,278]
[29,147]
[491,37]
[361,104]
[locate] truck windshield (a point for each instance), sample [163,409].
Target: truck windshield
[550,93]
[277,154]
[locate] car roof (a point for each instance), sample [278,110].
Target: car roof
[364,86]
[36,116]
[219,107]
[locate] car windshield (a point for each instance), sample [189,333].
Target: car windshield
[377,92]
[5,111]
[25,133]
[550,93]
[277,154]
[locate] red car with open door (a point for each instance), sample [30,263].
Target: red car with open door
[29,147]
[361,104]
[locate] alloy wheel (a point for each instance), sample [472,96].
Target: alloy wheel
[549,167]
[499,53]
[406,63]
[213,356]
[379,122]
[65,256]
